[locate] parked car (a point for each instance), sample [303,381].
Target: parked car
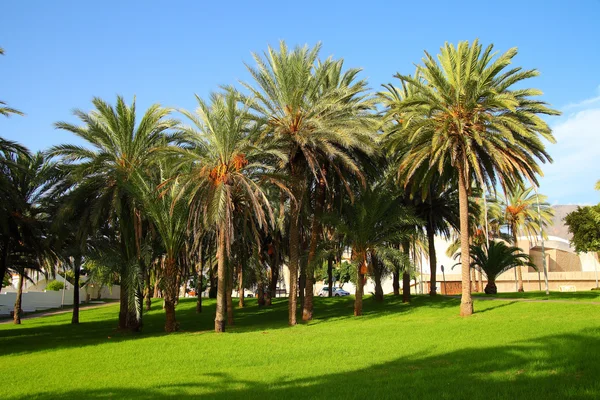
[337,292]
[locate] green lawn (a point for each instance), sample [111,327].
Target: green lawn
[506,350]
[589,295]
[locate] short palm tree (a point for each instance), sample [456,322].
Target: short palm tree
[220,176]
[464,113]
[496,259]
[118,146]
[373,226]
[520,211]
[169,216]
[314,117]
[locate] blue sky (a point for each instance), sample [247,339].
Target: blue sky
[61,53]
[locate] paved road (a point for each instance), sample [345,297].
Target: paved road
[46,314]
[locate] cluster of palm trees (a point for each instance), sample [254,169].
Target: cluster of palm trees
[290,169]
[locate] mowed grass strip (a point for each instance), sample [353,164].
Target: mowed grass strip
[418,350]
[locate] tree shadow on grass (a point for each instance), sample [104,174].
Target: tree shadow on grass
[34,335]
[547,367]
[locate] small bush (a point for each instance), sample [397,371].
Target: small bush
[55,285]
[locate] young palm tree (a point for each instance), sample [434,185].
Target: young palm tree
[373,226]
[313,118]
[169,216]
[463,112]
[496,259]
[221,176]
[118,146]
[520,209]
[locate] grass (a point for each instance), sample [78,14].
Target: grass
[591,295]
[422,350]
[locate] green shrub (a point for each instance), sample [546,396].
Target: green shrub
[55,285]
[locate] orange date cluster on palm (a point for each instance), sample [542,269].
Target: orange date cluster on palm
[220,173]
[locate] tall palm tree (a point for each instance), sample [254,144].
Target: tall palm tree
[118,146]
[495,259]
[520,209]
[463,112]
[313,118]
[221,171]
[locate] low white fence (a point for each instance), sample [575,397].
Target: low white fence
[34,301]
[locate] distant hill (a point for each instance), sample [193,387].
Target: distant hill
[559,228]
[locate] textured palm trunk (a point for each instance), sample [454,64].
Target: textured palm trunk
[519,271]
[480,278]
[432,257]
[274,275]
[396,282]
[241,293]
[221,283]
[294,259]
[171,291]
[406,287]
[474,280]
[123,303]
[307,312]
[17,311]
[466,303]
[491,288]
[3,260]
[199,291]
[330,276]
[230,320]
[76,272]
[360,286]
[378,287]
[148,291]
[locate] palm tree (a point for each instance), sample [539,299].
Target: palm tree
[463,113]
[314,119]
[221,173]
[117,148]
[373,226]
[25,234]
[4,109]
[169,216]
[495,259]
[520,209]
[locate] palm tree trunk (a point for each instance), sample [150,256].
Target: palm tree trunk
[491,288]
[466,303]
[76,272]
[377,276]
[123,302]
[519,271]
[307,312]
[480,276]
[17,311]
[221,282]
[199,289]
[230,320]
[330,276]
[360,286]
[432,257]
[170,293]
[406,286]
[3,260]
[149,289]
[294,259]
[396,282]
[241,286]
